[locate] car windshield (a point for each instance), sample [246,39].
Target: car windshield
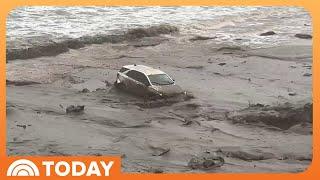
[160,79]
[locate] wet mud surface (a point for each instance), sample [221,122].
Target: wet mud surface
[249,108]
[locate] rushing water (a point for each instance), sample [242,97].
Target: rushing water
[227,23]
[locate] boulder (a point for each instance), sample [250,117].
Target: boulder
[303,36]
[269,33]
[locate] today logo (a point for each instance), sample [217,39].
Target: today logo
[24,167]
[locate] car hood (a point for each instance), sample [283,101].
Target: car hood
[169,90]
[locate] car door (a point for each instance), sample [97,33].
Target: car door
[130,82]
[142,85]
[137,82]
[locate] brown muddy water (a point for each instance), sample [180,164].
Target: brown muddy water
[252,107]
[116,123]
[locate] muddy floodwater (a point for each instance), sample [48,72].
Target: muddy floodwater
[251,103]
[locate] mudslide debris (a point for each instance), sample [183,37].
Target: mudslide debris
[206,161]
[75,109]
[282,116]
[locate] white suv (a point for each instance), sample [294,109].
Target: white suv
[146,81]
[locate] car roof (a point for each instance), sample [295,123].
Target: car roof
[144,69]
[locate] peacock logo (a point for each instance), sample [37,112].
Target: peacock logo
[23,167]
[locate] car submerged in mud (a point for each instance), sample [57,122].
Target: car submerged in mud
[147,82]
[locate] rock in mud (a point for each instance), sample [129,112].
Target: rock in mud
[23,126]
[282,116]
[201,38]
[85,90]
[269,33]
[307,74]
[206,161]
[303,36]
[292,93]
[222,64]
[74,109]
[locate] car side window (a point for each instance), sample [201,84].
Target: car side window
[139,77]
[132,74]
